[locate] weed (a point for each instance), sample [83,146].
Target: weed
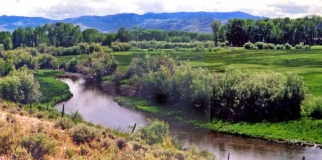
[83,133]
[121,143]
[64,123]
[69,152]
[39,145]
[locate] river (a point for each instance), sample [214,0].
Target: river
[99,108]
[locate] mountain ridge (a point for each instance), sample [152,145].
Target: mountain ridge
[183,21]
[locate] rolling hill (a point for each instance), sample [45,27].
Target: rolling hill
[185,21]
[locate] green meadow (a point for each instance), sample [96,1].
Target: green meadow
[307,63]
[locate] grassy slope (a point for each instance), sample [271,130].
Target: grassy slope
[52,90]
[59,144]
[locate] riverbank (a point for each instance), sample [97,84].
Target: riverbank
[304,132]
[53,90]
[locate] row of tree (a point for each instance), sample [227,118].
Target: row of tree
[67,35]
[277,30]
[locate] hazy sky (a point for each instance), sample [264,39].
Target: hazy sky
[59,9]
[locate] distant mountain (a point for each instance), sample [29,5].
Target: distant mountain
[185,21]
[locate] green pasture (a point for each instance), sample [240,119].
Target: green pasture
[307,63]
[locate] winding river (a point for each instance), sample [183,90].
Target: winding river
[99,108]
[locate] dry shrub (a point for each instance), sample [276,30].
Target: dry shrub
[84,151]
[83,133]
[121,143]
[69,153]
[39,145]
[11,118]
[64,123]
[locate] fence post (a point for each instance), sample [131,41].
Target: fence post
[62,113]
[133,127]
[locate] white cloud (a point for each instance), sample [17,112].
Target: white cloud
[59,9]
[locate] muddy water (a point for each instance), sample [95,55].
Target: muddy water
[99,108]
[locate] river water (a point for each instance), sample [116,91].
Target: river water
[99,108]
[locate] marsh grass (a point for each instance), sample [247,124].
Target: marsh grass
[52,90]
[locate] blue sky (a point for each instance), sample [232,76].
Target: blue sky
[59,9]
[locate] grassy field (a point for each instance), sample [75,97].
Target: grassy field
[52,90]
[307,63]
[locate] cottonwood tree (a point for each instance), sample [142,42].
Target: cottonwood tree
[215,26]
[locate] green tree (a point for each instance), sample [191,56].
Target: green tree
[91,35]
[20,86]
[40,36]
[29,37]
[18,37]
[236,32]
[6,40]
[122,34]
[215,26]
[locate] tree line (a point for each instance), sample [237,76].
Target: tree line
[307,30]
[67,35]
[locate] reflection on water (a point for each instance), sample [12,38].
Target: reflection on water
[99,108]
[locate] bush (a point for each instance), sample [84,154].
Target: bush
[94,47]
[223,44]
[118,47]
[298,46]
[121,143]
[39,145]
[271,46]
[155,132]
[47,61]
[199,48]
[249,45]
[84,134]
[279,46]
[40,115]
[315,108]
[21,154]
[165,80]
[260,45]
[72,65]
[254,97]
[265,46]
[306,47]
[11,118]
[76,116]
[288,46]
[69,152]
[7,139]
[76,50]
[84,151]
[64,123]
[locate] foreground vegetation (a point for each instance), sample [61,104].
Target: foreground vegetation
[23,136]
